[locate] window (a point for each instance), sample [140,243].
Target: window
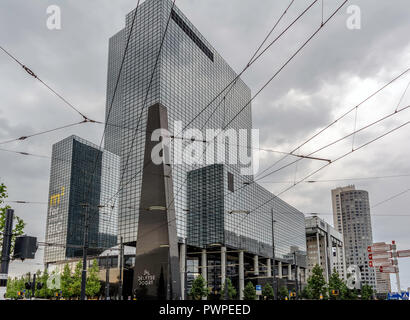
[230,182]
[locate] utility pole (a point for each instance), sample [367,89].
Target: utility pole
[121,260]
[275,285]
[6,248]
[296,275]
[33,287]
[85,248]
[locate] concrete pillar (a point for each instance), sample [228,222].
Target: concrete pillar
[269,268]
[318,248]
[280,276]
[256,265]
[298,274]
[326,259]
[289,271]
[223,265]
[182,264]
[204,268]
[241,275]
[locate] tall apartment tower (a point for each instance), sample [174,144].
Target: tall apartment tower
[351,217]
[82,177]
[184,78]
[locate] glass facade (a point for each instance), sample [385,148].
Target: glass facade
[73,184]
[189,73]
[241,218]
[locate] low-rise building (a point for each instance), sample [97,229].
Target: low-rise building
[324,247]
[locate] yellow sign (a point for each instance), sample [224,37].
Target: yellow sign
[55,199]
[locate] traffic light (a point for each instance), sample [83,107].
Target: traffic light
[335,292]
[39,286]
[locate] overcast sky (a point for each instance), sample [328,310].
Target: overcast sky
[337,70]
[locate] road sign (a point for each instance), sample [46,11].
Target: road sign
[380,263]
[403,253]
[379,248]
[405,296]
[258,290]
[392,269]
[380,255]
[393,296]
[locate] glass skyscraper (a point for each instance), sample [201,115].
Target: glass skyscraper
[81,176]
[186,76]
[189,73]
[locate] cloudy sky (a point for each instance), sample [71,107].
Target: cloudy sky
[337,70]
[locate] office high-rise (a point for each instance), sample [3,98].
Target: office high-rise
[351,216]
[188,74]
[218,210]
[82,177]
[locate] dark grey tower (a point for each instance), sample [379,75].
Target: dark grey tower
[156,273]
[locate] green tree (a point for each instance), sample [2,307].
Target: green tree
[267,292]
[93,284]
[67,283]
[76,284]
[249,293]
[11,290]
[336,286]
[367,292]
[283,293]
[199,288]
[231,290]
[316,284]
[44,292]
[19,224]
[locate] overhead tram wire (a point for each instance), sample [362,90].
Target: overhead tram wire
[320,169]
[231,84]
[109,113]
[35,76]
[338,119]
[238,76]
[320,149]
[336,141]
[338,9]
[274,76]
[145,101]
[391,198]
[148,91]
[256,57]
[22,138]
[342,179]
[270,80]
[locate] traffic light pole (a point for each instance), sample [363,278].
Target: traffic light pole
[6,248]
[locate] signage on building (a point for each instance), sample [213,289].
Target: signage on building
[146,279]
